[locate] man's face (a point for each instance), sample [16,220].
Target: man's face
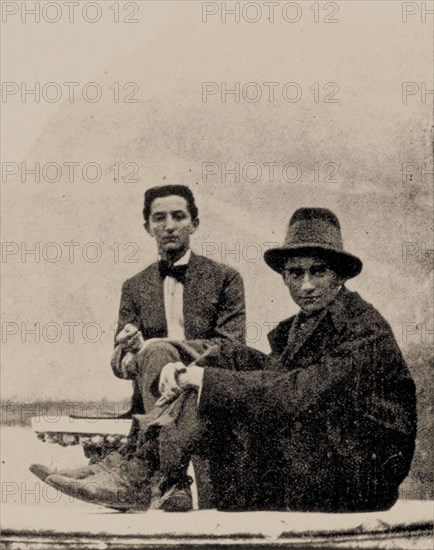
[312,284]
[171,224]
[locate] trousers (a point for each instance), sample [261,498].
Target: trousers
[178,440]
[222,448]
[154,357]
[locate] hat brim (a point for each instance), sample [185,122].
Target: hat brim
[346,264]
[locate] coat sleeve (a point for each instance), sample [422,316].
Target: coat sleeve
[127,314]
[369,365]
[127,309]
[231,318]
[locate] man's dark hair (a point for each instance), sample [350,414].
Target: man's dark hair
[165,191]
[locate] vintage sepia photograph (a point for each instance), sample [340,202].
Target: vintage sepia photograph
[217,274]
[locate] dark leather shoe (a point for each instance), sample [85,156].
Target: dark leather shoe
[126,487]
[110,461]
[175,498]
[41,471]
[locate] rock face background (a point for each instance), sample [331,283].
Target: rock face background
[173,134]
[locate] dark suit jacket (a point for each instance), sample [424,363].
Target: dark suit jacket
[214,307]
[331,422]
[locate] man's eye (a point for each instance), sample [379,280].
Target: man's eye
[295,273]
[158,218]
[319,270]
[179,216]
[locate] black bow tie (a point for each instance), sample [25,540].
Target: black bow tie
[176,271]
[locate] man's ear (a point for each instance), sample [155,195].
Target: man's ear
[340,279]
[195,224]
[146,226]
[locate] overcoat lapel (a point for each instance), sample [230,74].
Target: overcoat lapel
[299,334]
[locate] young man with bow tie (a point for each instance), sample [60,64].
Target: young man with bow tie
[177,308]
[174,310]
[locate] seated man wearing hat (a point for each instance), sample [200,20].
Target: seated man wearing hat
[326,423]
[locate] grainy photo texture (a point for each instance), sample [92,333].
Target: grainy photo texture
[217,258]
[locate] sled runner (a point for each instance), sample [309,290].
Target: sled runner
[97,436]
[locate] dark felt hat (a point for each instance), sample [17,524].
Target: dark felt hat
[318,231]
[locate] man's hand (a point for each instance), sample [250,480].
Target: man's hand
[129,365]
[169,386]
[176,377]
[191,377]
[131,339]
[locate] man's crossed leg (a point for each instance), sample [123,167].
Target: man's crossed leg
[151,469]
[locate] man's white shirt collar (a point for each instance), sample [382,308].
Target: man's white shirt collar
[184,260]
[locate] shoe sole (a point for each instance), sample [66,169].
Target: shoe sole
[80,494]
